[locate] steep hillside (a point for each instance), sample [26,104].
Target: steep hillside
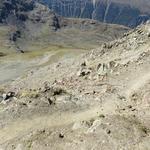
[98,101]
[32,25]
[126,12]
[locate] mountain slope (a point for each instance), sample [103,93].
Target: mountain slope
[129,13]
[31,24]
[40,34]
[99,100]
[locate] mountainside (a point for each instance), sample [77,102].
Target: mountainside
[99,100]
[40,34]
[14,11]
[30,23]
[56,95]
[126,12]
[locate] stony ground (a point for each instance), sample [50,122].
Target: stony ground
[98,101]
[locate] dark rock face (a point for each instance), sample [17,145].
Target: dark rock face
[16,11]
[23,16]
[102,10]
[15,35]
[12,11]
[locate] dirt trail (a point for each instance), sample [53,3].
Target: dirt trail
[19,128]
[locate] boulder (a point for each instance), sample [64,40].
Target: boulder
[7,97]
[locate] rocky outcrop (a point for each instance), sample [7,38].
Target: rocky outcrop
[109,11]
[21,16]
[12,11]
[16,12]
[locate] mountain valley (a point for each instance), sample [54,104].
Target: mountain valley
[70,82]
[36,33]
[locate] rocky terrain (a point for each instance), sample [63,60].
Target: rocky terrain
[126,12]
[32,35]
[99,100]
